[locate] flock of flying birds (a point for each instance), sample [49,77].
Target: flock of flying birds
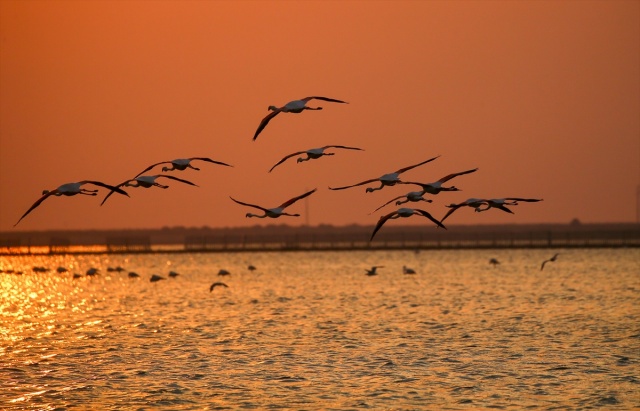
[298,106]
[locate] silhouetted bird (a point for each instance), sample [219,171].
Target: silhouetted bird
[173,274]
[312,154]
[295,106]
[182,164]
[404,213]
[388,179]
[549,260]
[373,269]
[494,262]
[407,270]
[133,275]
[155,278]
[214,285]
[276,211]
[223,272]
[71,189]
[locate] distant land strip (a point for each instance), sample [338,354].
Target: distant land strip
[319,238]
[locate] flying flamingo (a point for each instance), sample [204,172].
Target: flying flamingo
[182,164]
[277,211]
[413,196]
[295,106]
[475,203]
[436,187]
[312,154]
[71,189]
[389,179]
[403,212]
[431,188]
[500,203]
[147,182]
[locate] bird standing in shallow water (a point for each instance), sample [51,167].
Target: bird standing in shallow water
[312,154]
[295,106]
[552,259]
[155,278]
[277,211]
[71,189]
[389,179]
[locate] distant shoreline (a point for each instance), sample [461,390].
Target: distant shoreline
[317,238]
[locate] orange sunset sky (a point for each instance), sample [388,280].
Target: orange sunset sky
[542,96]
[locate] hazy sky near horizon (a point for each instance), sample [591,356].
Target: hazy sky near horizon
[542,97]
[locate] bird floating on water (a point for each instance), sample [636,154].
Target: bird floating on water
[389,179]
[312,154]
[277,211]
[403,213]
[71,189]
[223,272]
[173,274]
[552,259]
[407,270]
[216,284]
[92,271]
[494,262]
[182,164]
[155,278]
[147,182]
[295,106]
[133,274]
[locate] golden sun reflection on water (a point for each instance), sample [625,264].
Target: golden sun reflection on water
[311,330]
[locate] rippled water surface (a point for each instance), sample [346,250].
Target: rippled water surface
[312,331]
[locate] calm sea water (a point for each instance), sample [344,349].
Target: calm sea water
[311,331]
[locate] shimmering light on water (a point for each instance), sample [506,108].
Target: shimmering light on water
[311,331]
